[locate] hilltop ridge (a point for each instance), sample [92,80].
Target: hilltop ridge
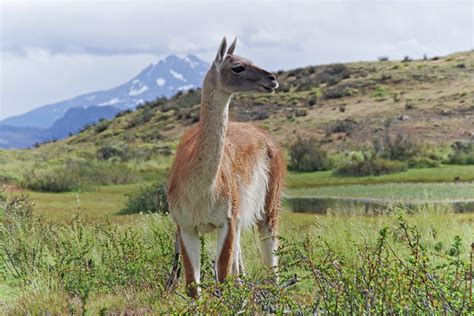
[340,104]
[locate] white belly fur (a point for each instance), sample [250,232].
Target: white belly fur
[252,198]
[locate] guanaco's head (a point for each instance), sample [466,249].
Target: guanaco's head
[236,74]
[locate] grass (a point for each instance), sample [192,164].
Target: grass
[445,173]
[100,267]
[394,192]
[101,203]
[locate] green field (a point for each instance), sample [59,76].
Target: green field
[446,173]
[394,192]
[142,247]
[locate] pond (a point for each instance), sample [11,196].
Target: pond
[377,198]
[325,205]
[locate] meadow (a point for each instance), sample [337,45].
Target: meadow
[72,253]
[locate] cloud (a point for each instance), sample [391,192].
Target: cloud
[56,50]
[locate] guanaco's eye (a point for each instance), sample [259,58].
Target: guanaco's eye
[237,69]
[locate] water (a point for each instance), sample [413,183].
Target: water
[319,205]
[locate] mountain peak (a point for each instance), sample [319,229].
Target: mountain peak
[164,78]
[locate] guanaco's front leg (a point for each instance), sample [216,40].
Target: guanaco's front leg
[190,248]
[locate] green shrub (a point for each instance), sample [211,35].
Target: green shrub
[150,199]
[370,166]
[142,116]
[107,152]
[342,126]
[380,93]
[333,74]
[463,153]
[423,162]
[75,175]
[307,155]
[312,100]
[102,125]
[124,112]
[337,92]
[396,147]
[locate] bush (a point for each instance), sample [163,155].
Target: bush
[307,155]
[102,126]
[107,152]
[76,175]
[423,162]
[463,153]
[312,100]
[124,112]
[370,166]
[301,112]
[337,92]
[341,126]
[142,116]
[333,74]
[150,199]
[398,147]
[380,93]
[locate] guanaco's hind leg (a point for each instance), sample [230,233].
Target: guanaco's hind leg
[268,226]
[190,248]
[226,243]
[268,244]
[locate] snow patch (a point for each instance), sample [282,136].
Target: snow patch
[134,92]
[135,81]
[177,75]
[186,87]
[191,63]
[160,82]
[111,102]
[91,97]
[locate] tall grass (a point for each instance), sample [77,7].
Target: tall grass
[333,264]
[77,174]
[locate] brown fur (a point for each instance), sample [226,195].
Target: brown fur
[244,142]
[224,262]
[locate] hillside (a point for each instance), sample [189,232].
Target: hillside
[344,106]
[431,100]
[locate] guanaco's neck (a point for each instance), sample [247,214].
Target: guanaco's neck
[212,130]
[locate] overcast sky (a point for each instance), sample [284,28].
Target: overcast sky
[56,50]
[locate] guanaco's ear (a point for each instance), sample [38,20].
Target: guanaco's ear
[221,52]
[231,49]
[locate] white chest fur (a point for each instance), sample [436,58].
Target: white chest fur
[205,210]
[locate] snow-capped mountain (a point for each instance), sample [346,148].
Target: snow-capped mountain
[163,78]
